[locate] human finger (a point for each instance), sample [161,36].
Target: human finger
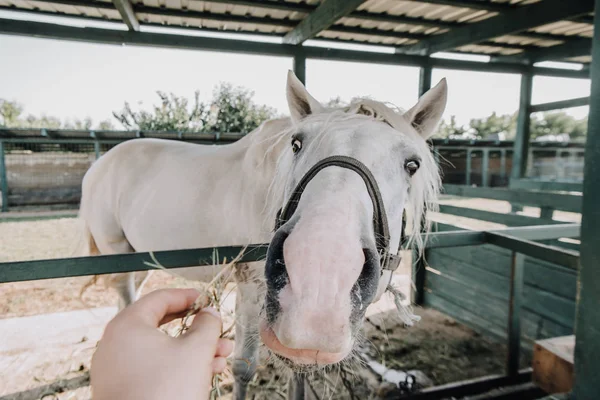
[224,348]
[154,308]
[206,329]
[218,365]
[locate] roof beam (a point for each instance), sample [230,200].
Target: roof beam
[127,14]
[325,15]
[472,4]
[573,48]
[508,22]
[160,40]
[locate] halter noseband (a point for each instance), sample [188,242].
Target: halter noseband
[388,261]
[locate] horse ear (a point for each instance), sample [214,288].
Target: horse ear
[300,102]
[427,113]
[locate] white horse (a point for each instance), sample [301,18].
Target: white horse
[323,268]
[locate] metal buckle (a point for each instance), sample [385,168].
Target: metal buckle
[390,261]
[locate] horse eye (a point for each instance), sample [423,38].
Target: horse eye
[412,166]
[296,145]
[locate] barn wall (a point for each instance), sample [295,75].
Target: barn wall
[472,285]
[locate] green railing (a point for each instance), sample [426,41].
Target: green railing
[520,241]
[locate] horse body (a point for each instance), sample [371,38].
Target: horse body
[323,268]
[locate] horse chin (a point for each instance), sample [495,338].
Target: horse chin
[300,360]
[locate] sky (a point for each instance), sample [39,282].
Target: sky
[76,80]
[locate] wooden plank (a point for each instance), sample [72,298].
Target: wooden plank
[551,307]
[521,143]
[558,201]
[560,105]
[468,296]
[499,218]
[515,303]
[325,15]
[549,186]
[553,361]
[473,321]
[508,22]
[536,327]
[119,263]
[127,14]
[587,349]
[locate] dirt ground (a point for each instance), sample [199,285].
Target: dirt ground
[439,347]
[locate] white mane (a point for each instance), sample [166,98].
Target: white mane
[425,186]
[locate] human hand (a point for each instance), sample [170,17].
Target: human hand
[135,360]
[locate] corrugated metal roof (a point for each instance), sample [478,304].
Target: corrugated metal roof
[380,22]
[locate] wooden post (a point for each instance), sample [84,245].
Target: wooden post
[468,169]
[521,145]
[514,314]
[503,164]
[3,179]
[587,323]
[425,79]
[485,163]
[300,64]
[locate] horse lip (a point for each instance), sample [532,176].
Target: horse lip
[306,359]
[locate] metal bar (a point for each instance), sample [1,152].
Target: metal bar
[300,65]
[521,144]
[517,273]
[531,184]
[571,48]
[468,168]
[470,387]
[498,218]
[540,251]
[559,201]
[587,323]
[96,35]
[559,105]
[485,163]
[325,15]
[3,178]
[508,22]
[70,267]
[542,232]
[97,149]
[127,14]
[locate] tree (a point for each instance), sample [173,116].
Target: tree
[232,109]
[556,123]
[10,112]
[501,125]
[451,129]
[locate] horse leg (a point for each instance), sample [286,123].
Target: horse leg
[128,286]
[247,310]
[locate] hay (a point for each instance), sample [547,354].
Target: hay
[212,295]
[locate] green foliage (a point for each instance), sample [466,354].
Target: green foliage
[493,125]
[504,126]
[11,116]
[451,129]
[231,109]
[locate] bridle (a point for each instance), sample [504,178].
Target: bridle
[388,261]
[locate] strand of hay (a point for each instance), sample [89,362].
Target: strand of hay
[405,311]
[211,296]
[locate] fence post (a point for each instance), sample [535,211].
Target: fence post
[3,179]
[517,268]
[485,165]
[503,165]
[468,172]
[96,144]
